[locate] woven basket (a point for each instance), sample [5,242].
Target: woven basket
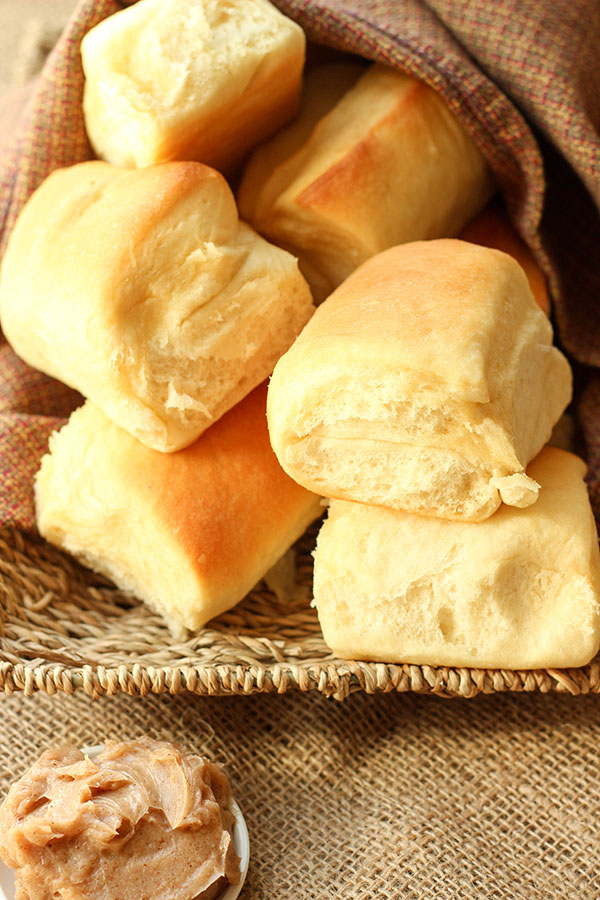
[62,628]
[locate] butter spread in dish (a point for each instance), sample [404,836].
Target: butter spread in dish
[142,819]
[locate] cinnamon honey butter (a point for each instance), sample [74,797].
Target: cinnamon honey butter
[143,820]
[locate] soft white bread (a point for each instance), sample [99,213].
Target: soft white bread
[142,289]
[388,164]
[205,80]
[426,382]
[191,532]
[520,590]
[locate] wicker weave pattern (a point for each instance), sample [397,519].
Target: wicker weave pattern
[65,629]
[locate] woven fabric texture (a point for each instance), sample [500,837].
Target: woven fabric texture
[380,798]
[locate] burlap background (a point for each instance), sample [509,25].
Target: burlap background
[379,798]
[394,796]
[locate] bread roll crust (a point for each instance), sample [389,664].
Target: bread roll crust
[388,164]
[201,80]
[142,290]
[266,172]
[190,532]
[427,381]
[519,591]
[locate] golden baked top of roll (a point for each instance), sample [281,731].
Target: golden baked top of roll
[426,381]
[190,79]
[143,290]
[387,164]
[189,532]
[492,228]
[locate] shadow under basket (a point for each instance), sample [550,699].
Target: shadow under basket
[64,628]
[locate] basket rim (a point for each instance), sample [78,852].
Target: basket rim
[337,679]
[38,668]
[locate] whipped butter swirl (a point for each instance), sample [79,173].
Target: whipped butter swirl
[142,820]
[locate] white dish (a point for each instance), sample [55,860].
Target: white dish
[241,842]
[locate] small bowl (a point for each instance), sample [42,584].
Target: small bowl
[241,842]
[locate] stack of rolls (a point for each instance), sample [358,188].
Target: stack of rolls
[415,398]
[142,289]
[420,398]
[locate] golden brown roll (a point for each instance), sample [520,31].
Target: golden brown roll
[427,381]
[518,591]
[388,164]
[190,532]
[190,79]
[143,290]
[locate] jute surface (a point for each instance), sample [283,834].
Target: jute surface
[378,798]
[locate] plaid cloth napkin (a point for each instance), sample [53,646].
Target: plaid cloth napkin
[523,76]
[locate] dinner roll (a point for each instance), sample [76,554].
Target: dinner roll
[190,79]
[191,532]
[426,382]
[388,164]
[143,290]
[519,591]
